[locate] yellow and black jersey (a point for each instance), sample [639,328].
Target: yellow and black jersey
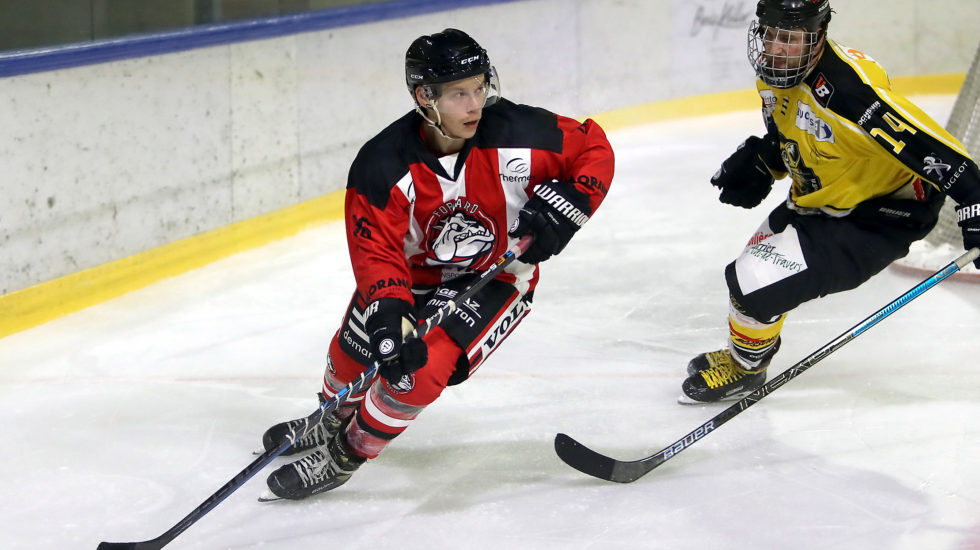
[846,137]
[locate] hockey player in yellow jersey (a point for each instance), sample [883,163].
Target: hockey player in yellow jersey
[869,173]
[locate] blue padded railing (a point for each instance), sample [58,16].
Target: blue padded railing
[100,51]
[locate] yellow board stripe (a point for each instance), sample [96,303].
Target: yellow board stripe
[928,85]
[32,306]
[745,100]
[684,107]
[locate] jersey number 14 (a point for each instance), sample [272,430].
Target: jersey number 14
[898,126]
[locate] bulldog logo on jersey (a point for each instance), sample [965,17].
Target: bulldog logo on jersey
[805,181]
[462,236]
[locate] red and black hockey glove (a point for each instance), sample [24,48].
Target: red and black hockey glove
[744,178]
[388,320]
[553,214]
[968,218]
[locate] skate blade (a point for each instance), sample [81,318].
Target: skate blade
[269,497]
[683,399]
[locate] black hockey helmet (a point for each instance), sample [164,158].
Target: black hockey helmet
[787,39]
[444,57]
[810,15]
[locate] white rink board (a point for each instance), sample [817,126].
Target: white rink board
[104,161]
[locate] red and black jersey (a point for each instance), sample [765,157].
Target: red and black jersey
[415,220]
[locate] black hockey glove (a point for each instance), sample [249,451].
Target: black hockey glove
[388,320]
[555,212]
[744,178]
[968,218]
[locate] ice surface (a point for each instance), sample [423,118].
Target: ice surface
[119,420]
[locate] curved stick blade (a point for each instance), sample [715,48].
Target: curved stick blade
[589,462]
[584,459]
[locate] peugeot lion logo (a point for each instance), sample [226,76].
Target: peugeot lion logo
[935,166]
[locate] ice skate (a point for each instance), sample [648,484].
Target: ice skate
[326,468]
[701,362]
[716,376]
[316,436]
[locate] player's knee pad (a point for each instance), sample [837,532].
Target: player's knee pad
[765,277]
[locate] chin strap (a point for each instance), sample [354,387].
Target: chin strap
[437,124]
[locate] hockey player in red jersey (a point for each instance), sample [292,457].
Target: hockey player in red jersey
[431,201]
[869,173]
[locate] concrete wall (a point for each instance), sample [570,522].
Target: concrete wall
[103,161]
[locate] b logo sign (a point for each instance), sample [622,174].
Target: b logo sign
[822,89]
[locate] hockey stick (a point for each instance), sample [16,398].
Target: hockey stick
[356,385]
[587,461]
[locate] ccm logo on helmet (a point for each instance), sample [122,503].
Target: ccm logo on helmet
[469,60]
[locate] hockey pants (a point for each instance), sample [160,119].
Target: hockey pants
[456,349]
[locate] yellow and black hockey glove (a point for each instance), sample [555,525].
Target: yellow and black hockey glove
[744,178]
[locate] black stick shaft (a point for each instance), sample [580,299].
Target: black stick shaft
[355,386]
[595,464]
